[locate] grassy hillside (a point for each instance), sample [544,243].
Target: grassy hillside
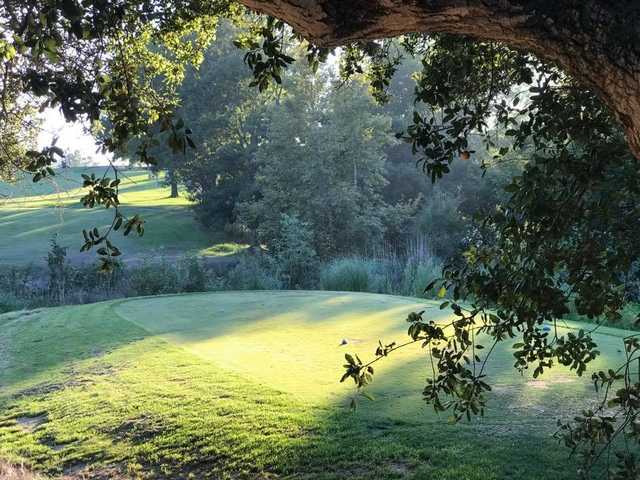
[31,213]
[245,385]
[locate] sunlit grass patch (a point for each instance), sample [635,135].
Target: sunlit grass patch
[223,249]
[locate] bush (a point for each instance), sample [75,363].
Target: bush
[443,224]
[352,274]
[10,302]
[421,267]
[194,277]
[416,276]
[24,287]
[153,278]
[59,271]
[294,252]
[404,273]
[89,278]
[386,272]
[254,272]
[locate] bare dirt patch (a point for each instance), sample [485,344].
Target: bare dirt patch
[76,379]
[76,471]
[139,430]
[52,443]
[46,388]
[31,423]
[400,467]
[89,470]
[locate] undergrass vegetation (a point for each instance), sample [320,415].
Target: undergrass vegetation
[17,472]
[245,385]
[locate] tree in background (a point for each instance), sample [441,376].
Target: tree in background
[295,254]
[323,161]
[231,128]
[220,108]
[75,159]
[228,126]
[19,125]
[224,115]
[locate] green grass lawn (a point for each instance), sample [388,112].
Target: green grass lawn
[245,385]
[30,214]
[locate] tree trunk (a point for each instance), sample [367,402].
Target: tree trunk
[173,181]
[174,188]
[595,41]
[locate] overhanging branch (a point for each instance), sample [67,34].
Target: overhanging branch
[597,42]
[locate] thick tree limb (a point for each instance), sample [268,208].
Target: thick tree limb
[596,41]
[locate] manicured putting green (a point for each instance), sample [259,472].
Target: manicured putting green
[292,341]
[287,340]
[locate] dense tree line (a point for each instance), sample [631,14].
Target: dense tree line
[320,151]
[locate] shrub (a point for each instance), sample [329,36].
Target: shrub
[194,277]
[59,270]
[416,276]
[151,278]
[10,302]
[443,224]
[216,283]
[254,272]
[405,272]
[24,287]
[294,252]
[89,278]
[347,275]
[421,267]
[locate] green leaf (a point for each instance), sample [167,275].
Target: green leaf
[430,285]
[367,395]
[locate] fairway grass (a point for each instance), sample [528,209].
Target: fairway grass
[245,385]
[30,214]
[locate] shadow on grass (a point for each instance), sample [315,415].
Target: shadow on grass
[70,180]
[35,345]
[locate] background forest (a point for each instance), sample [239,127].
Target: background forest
[314,177]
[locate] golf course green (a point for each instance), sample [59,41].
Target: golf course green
[245,385]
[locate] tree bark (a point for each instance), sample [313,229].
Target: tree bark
[174,189]
[173,182]
[595,41]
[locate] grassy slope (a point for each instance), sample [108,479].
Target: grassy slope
[32,213]
[245,385]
